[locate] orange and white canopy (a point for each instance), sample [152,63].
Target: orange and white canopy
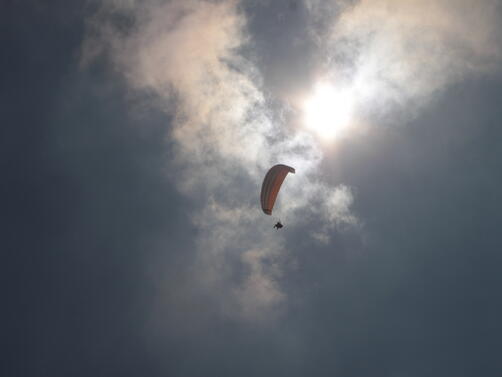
[271,186]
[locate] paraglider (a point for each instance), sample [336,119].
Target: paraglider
[271,186]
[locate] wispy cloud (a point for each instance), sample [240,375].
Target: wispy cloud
[187,57]
[188,53]
[399,53]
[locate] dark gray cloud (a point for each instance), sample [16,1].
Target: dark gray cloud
[104,250]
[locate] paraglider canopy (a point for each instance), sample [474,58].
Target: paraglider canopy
[271,186]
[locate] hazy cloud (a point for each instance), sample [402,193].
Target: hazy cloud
[398,53]
[188,55]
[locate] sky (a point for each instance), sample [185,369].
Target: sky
[135,138]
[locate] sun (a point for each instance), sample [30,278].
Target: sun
[329,110]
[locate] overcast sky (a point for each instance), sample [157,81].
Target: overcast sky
[135,137]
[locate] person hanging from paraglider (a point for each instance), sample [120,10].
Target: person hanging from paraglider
[270,188]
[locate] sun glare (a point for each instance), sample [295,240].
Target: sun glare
[328,110]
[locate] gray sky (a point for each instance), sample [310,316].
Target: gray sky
[136,136]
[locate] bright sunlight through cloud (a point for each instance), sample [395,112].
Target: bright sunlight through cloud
[329,110]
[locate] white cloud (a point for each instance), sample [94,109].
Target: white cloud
[399,53]
[188,53]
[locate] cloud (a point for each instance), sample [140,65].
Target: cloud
[399,53]
[188,56]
